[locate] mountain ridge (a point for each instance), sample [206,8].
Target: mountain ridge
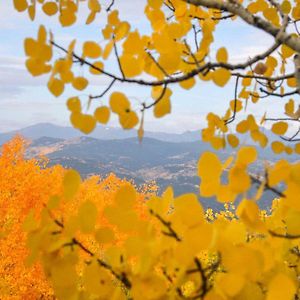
[105,133]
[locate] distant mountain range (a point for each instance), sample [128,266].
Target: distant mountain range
[167,159]
[103,133]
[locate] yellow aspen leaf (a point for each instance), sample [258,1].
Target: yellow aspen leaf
[252,122]
[94,5]
[296,12]
[225,194]
[207,134]
[67,18]
[87,216]
[20,5]
[189,209]
[246,155]
[75,119]
[64,285]
[180,10]
[31,12]
[42,35]
[74,104]
[30,223]
[133,43]
[286,51]
[128,120]
[217,142]
[30,46]
[97,280]
[209,165]
[53,202]
[126,220]
[221,76]
[247,80]
[271,62]
[162,205]
[119,103]
[248,212]
[113,18]
[91,17]
[222,55]
[156,4]
[230,284]
[253,8]
[232,140]
[87,123]
[102,114]
[98,66]
[280,128]
[292,82]
[187,84]
[205,230]
[288,150]
[286,6]
[125,197]
[79,83]
[293,222]
[162,108]
[107,32]
[258,136]
[281,287]
[254,97]
[277,147]
[71,183]
[272,15]
[56,86]
[104,235]
[122,30]
[244,93]
[131,65]
[50,8]
[91,49]
[67,77]
[243,126]
[236,105]
[279,172]
[239,180]
[36,67]
[289,107]
[209,188]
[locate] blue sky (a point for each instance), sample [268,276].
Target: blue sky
[26,101]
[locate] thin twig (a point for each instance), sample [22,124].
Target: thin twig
[171,232]
[105,91]
[118,58]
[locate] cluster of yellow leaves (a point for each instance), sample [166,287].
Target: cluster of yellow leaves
[170,248]
[26,187]
[164,51]
[24,184]
[39,53]
[161,53]
[210,170]
[67,10]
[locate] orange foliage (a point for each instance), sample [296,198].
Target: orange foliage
[26,184]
